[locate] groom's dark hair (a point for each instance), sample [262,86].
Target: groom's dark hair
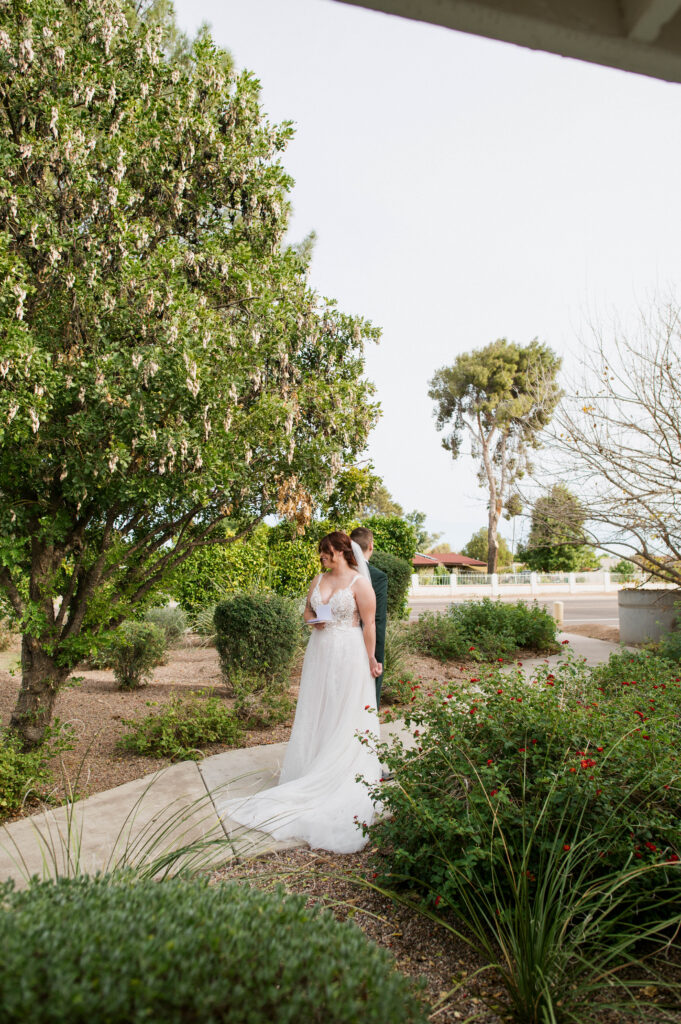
[362,536]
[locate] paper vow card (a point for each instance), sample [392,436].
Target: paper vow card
[323,615]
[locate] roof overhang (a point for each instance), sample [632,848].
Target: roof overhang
[643,36]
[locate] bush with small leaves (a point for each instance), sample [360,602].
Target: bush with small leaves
[398,572]
[172,621]
[257,635]
[484,629]
[182,728]
[134,651]
[102,951]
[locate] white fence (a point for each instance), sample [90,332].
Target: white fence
[423,585]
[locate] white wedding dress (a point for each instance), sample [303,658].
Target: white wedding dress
[318,798]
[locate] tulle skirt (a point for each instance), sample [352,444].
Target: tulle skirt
[319,798]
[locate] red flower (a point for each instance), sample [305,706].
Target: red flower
[573,769]
[549,682]
[500,659]
[493,792]
[471,648]
[565,641]
[475,680]
[645,737]
[566,846]
[599,749]
[521,750]
[651,846]
[500,691]
[672,858]
[367,707]
[640,715]
[587,762]
[437,900]
[533,741]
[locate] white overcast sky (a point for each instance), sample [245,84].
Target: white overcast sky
[461,190]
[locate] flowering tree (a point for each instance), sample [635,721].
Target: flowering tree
[163,365]
[499,397]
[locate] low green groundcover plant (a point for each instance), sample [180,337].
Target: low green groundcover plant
[102,951]
[26,773]
[134,650]
[484,629]
[182,728]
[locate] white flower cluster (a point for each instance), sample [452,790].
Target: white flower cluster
[20,295]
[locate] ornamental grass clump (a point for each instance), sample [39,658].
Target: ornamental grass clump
[545,814]
[125,952]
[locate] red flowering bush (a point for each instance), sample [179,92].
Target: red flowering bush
[535,768]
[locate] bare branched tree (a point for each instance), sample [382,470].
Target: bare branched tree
[618,441]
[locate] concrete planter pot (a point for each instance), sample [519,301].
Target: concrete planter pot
[647,613]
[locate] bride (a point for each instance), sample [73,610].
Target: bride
[318,798]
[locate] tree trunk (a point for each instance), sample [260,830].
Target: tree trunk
[40,682]
[492,542]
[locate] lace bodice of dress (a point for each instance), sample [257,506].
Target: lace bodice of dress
[343,606]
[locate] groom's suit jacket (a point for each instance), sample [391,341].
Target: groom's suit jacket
[379,581]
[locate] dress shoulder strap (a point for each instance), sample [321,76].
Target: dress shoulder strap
[354,581]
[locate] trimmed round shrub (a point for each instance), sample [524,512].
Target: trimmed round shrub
[399,577]
[134,651]
[97,951]
[257,635]
[172,621]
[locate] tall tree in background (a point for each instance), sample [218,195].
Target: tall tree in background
[500,397]
[476,547]
[164,366]
[557,541]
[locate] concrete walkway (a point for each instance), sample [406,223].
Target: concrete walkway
[156,817]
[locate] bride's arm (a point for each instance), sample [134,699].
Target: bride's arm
[366,606]
[308,612]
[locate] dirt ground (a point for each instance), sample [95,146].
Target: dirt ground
[595,630]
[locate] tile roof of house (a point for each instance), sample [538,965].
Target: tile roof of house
[446,558]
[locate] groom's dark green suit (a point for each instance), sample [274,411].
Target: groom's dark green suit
[379,581]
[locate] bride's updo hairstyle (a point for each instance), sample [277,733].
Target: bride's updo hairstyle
[338,541]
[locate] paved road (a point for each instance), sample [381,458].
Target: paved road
[600,608]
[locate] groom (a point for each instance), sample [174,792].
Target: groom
[379,581]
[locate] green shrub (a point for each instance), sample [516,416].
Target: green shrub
[26,772]
[257,635]
[394,535]
[292,565]
[97,951]
[484,629]
[670,647]
[399,578]
[135,650]
[508,755]
[182,728]
[632,668]
[172,621]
